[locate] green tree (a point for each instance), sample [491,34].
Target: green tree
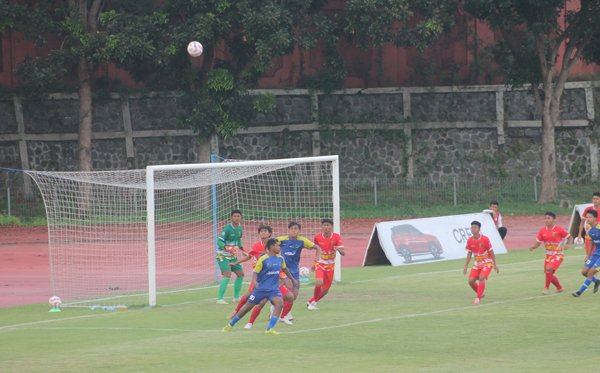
[241,38]
[539,47]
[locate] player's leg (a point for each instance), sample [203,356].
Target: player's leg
[255,312]
[288,300]
[551,269]
[225,277]
[277,302]
[473,276]
[318,290]
[255,298]
[591,264]
[243,299]
[239,281]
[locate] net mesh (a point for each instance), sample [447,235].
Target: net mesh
[97,223]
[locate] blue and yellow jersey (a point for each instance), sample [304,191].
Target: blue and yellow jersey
[594,233]
[291,250]
[267,269]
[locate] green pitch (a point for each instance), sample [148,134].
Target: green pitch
[415,318]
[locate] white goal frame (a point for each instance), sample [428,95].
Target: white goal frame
[150,202]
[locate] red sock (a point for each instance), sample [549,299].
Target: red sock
[480,289]
[287,307]
[548,279]
[555,281]
[473,286]
[255,312]
[242,301]
[317,294]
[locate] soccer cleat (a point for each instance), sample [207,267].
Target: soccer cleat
[545,291]
[286,321]
[312,306]
[576,294]
[221,301]
[248,326]
[596,286]
[476,301]
[290,316]
[227,328]
[560,290]
[272,332]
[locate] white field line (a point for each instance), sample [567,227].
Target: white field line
[447,310]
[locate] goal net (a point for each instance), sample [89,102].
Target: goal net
[128,236]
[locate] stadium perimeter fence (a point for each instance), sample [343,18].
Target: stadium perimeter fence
[20,198]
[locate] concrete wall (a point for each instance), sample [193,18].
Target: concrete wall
[437,133]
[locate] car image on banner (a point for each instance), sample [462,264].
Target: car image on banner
[410,242]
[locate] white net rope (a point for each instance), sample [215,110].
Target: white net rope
[97,223]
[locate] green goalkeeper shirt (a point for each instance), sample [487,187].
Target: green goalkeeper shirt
[230,236]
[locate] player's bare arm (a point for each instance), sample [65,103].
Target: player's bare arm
[469,254]
[535,246]
[290,277]
[341,250]
[245,258]
[493,256]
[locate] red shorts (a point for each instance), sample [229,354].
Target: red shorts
[325,275]
[481,271]
[553,262]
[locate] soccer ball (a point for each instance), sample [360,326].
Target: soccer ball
[195,49]
[304,272]
[54,301]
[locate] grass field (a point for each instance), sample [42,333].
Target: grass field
[415,318]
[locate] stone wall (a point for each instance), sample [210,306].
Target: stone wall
[436,133]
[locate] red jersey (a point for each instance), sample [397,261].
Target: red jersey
[552,239]
[328,252]
[481,249]
[258,249]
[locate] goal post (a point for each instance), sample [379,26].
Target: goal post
[115,235]
[248,170]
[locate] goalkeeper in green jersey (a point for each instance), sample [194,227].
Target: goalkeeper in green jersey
[229,242]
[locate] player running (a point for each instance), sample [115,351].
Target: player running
[291,248]
[580,237]
[590,268]
[330,243]
[554,239]
[229,242]
[258,249]
[485,259]
[266,277]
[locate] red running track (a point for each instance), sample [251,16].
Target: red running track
[25,275]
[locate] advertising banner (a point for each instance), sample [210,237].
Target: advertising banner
[576,218]
[426,240]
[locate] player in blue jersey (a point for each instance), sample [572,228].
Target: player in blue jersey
[591,265]
[266,277]
[291,248]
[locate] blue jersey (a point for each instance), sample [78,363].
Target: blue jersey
[268,269]
[291,250]
[594,234]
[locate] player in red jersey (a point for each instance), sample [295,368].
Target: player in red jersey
[479,246]
[589,247]
[497,218]
[330,244]
[258,249]
[554,239]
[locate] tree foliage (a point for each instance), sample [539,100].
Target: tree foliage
[241,38]
[539,46]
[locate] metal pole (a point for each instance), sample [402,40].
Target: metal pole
[535,196]
[454,184]
[8,197]
[375,189]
